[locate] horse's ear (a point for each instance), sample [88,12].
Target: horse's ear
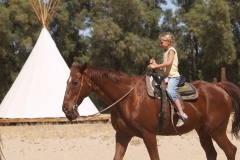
[82,67]
[74,64]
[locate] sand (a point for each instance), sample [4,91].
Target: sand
[94,141]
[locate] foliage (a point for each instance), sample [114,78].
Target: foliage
[123,35]
[5,48]
[208,35]
[218,47]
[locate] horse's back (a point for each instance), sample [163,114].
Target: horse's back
[213,101]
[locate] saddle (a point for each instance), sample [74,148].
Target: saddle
[186,90]
[157,89]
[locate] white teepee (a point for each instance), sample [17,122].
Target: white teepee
[39,89]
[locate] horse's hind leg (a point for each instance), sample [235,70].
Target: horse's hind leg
[220,137]
[224,143]
[122,140]
[207,144]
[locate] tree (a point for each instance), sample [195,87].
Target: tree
[206,23]
[217,49]
[233,73]
[123,34]
[20,29]
[6,59]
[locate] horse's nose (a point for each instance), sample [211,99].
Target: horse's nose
[65,110]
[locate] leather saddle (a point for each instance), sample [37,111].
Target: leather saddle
[156,88]
[184,88]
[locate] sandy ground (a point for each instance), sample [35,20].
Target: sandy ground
[93,142]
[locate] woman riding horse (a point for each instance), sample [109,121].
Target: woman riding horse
[137,113]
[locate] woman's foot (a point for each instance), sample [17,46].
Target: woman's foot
[182,119]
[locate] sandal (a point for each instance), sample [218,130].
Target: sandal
[182,119]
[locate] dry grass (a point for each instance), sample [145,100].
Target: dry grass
[49,131]
[66,131]
[90,141]
[101,130]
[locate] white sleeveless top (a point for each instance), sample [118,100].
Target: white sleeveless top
[171,71]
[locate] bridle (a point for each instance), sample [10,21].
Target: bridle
[97,114]
[75,106]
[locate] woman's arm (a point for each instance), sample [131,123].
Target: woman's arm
[169,62]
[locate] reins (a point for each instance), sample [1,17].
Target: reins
[97,114]
[90,117]
[75,100]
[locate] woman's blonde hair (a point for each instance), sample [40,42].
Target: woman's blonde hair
[168,36]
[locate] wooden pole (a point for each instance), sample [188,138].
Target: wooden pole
[45,10]
[214,80]
[223,74]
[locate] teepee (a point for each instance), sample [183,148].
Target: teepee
[39,89]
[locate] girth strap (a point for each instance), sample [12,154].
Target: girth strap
[162,116]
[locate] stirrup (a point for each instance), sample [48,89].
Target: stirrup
[182,120]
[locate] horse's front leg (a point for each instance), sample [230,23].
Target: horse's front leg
[122,140]
[150,141]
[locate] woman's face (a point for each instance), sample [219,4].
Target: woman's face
[163,43]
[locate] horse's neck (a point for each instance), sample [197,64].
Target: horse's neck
[111,86]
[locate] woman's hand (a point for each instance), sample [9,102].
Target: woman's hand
[152,61]
[151,66]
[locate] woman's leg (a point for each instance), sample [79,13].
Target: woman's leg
[179,107]
[172,91]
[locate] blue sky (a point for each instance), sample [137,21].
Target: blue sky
[169,5]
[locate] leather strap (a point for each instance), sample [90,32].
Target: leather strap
[162,116]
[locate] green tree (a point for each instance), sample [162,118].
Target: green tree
[6,59]
[208,28]
[17,36]
[218,47]
[196,20]
[20,29]
[123,34]
[233,73]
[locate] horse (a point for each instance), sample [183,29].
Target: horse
[136,114]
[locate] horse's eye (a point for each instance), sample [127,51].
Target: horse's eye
[75,83]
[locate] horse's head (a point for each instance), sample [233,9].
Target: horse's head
[78,87]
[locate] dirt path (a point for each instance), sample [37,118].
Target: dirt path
[93,142]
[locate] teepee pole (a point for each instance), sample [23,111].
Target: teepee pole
[41,13]
[50,4]
[36,10]
[52,10]
[45,9]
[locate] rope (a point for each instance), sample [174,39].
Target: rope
[172,114]
[97,114]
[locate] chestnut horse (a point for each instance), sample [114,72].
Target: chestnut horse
[136,114]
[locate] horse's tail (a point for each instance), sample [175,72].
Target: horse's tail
[234,92]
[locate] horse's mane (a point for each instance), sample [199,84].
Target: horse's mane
[100,73]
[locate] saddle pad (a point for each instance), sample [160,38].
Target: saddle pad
[154,92]
[187,89]
[150,83]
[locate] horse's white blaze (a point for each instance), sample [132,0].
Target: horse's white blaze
[69,79]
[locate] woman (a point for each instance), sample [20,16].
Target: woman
[170,68]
